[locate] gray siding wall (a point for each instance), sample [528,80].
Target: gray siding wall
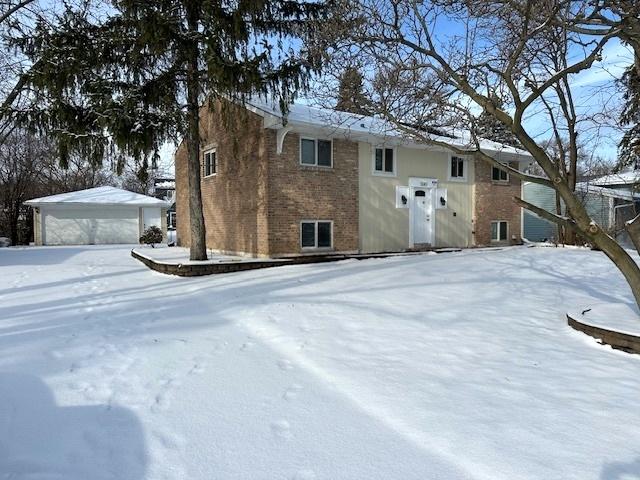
[537,229]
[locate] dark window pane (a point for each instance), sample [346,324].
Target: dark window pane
[494,230]
[308,234]
[378,159]
[503,230]
[324,234]
[460,168]
[324,153]
[454,167]
[308,152]
[420,193]
[388,160]
[498,174]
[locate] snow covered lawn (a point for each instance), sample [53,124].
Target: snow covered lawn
[452,366]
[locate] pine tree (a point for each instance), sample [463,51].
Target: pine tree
[629,147]
[487,126]
[125,85]
[351,97]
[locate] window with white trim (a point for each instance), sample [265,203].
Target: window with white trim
[499,231]
[457,168]
[210,163]
[499,175]
[172,219]
[316,152]
[384,161]
[316,234]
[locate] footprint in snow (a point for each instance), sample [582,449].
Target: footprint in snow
[285,364]
[281,429]
[292,392]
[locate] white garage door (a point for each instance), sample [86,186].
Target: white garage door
[90,225]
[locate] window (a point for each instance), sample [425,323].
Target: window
[499,175]
[316,152]
[172,219]
[210,163]
[316,234]
[457,169]
[499,231]
[384,161]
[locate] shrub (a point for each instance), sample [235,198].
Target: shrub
[151,236]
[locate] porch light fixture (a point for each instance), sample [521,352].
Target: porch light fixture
[443,202]
[404,199]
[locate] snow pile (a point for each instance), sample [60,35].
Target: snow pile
[452,366]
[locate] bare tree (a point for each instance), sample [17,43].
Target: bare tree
[29,168]
[527,51]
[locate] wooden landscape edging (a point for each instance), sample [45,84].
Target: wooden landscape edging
[620,341]
[196,269]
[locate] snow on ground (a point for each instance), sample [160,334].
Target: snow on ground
[619,317]
[452,366]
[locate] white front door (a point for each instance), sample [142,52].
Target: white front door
[422,216]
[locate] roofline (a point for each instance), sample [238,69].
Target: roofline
[275,122]
[36,203]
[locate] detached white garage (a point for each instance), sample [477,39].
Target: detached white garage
[102,215]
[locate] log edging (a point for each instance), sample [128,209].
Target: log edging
[620,341]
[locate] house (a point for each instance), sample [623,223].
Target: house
[608,203]
[99,215]
[165,189]
[325,181]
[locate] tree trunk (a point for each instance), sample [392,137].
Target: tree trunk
[561,230]
[198,247]
[622,260]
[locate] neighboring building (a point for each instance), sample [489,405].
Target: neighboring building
[326,181]
[609,206]
[101,215]
[165,189]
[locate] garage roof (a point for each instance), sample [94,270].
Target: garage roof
[99,196]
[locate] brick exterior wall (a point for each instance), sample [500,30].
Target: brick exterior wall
[255,202]
[234,200]
[298,192]
[494,201]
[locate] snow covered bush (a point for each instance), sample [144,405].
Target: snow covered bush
[151,236]
[5,242]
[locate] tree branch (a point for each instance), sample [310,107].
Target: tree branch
[541,212]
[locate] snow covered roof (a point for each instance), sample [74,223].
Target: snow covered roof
[100,196]
[625,178]
[362,127]
[607,192]
[166,184]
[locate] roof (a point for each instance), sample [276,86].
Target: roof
[607,192]
[587,187]
[625,178]
[99,196]
[362,127]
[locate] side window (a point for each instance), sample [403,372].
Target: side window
[384,161]
[316,234]
[316,152]
[499,231]
[210,163]
[499,175]
[457,168]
